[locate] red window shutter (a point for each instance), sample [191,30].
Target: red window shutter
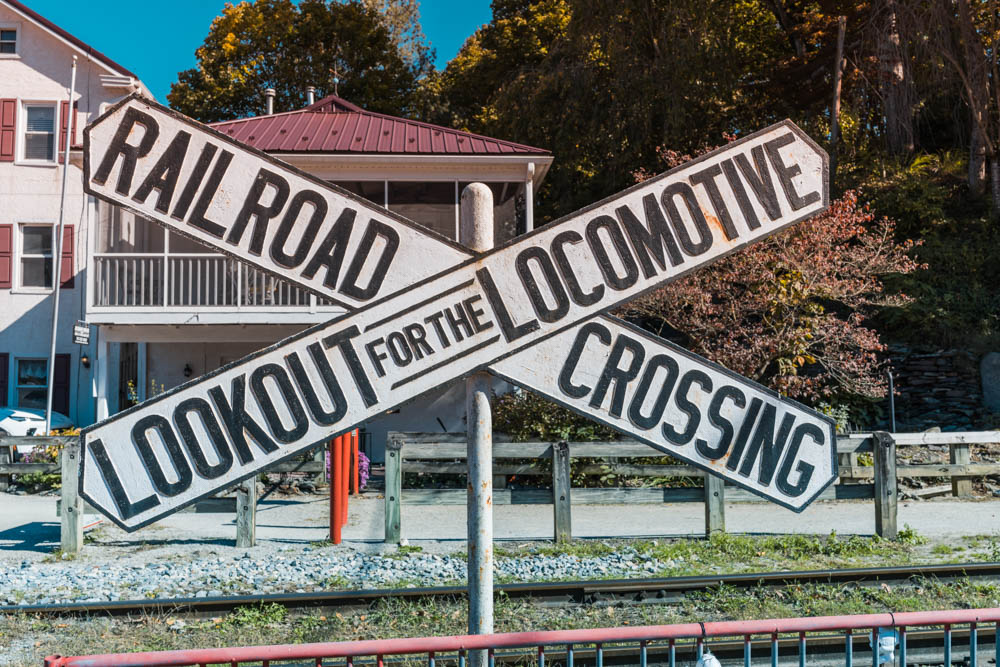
[4,367]
[8,129]
[6,255]
[67,268]
[60,384]
[64,120]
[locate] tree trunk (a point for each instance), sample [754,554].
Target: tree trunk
[895,86]
[977,162]
[995,186]
[786,23]
[838,68]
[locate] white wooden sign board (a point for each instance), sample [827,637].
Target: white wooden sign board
[516,310]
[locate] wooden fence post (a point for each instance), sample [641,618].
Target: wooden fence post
[715,505]
[561,512]
[393,489]
[960,453]
[5,459]
[71,527]
[884,450]
[246,513]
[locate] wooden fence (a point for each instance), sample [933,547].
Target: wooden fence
[445,453]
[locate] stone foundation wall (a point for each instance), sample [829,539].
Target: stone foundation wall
[937,388]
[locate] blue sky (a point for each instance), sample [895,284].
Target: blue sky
[157,40]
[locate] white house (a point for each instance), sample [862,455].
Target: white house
[35,68]
[164,308]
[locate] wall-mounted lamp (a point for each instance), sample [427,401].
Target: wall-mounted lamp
[85,360]
[187,370]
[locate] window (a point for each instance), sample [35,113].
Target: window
[39,132]
[32,383]
[433,205]
[8,41]
[36,256]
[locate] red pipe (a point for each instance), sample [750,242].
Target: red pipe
[338,476]
[345,459]
[526,639]
[354,462]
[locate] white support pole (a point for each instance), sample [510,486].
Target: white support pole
[477,233]
[529,198]
[57,253]
[102,351]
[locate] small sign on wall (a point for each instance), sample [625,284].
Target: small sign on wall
[81,333]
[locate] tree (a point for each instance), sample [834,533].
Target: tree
[277,44]
[402,19]
[791,311]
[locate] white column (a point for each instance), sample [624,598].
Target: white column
[102,353]
[529,198]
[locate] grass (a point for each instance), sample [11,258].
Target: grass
[26,640]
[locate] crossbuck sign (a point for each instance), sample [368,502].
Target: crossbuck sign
[425,312]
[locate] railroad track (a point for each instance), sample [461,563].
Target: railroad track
[594,592]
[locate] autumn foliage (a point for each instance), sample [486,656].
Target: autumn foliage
[790,311]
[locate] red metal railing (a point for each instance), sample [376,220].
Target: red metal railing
[642,637]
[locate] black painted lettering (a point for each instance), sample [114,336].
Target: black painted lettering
[261,214]
[182,417]
[740,192]
[787,172]
[766,445]
[126,507]
[573,358]
[804,469]
[377,357]
[416,336]
[558,249]
[654,237]
[140,437]
[759,180]
[746,428]
[686,406]
[290,399]
[435,321]
[596,243]
[646,422]
[620,376]
[398,349]
[238,423]
[476,314]
[706,178]
[320,415]
[198,218]
[555,288]
[375,230]
[458,319]
[716,418]
[342,340]
[685,192]
[163,176]
[511,331]
[318,205]
[330,253]
[194,182]
[119,147]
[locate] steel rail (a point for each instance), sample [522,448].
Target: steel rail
[557,592]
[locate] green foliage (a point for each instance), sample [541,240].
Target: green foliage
[287,46]
[260,616]
[908,535]
[525,416]
[403,551]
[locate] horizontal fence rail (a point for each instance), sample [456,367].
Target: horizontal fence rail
[887,632]
[444,453]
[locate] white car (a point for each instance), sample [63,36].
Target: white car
[29,421]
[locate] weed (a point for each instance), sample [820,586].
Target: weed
[259,616]
[58,556]
[910,536]
[403,550]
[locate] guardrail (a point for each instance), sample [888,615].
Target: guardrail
[445,453]
[887,634]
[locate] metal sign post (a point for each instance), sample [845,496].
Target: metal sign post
[476,232]
[412,331]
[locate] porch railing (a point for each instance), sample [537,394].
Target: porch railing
[191,280]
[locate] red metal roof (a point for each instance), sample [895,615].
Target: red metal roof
[334,125]
[86,48]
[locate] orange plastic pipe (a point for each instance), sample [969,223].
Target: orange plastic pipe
[337,474]
[354,462]
[345,466]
